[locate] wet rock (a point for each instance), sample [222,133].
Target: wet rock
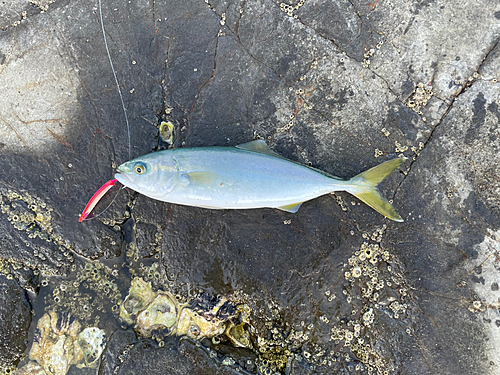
[186,359]
[12,13]
[452,228]
[344,26]
[15,313]
[418,48]
[342,87]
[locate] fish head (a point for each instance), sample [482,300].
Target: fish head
[153,175]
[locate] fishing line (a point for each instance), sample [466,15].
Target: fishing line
[116,80]
[123,106]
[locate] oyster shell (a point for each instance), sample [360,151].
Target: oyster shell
[58,344]
[239,335]
[55,346]
[139,297]
[161,314]
[31,368]
[91,342]
[206,316]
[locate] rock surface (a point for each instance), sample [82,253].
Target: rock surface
[16,318]
[341,86]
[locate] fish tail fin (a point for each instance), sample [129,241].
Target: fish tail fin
[364,187]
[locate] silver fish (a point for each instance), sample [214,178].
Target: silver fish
[250,175]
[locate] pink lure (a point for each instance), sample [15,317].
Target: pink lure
[96,198]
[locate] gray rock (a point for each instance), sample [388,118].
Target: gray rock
[15,313]
[186,359]
[455,231]
[341,86]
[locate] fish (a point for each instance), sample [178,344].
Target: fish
[246,176]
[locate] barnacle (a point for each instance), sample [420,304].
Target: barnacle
[420,96]
[167,132]
[31,215]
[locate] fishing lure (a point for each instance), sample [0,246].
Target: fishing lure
[96,198]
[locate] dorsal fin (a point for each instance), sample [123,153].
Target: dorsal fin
[260,147]
[293,208]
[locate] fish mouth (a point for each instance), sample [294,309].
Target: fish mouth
[123,178]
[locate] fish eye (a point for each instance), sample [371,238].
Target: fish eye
[139,168]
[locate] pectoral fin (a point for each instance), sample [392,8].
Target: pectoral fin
[293,208]
[199,178]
